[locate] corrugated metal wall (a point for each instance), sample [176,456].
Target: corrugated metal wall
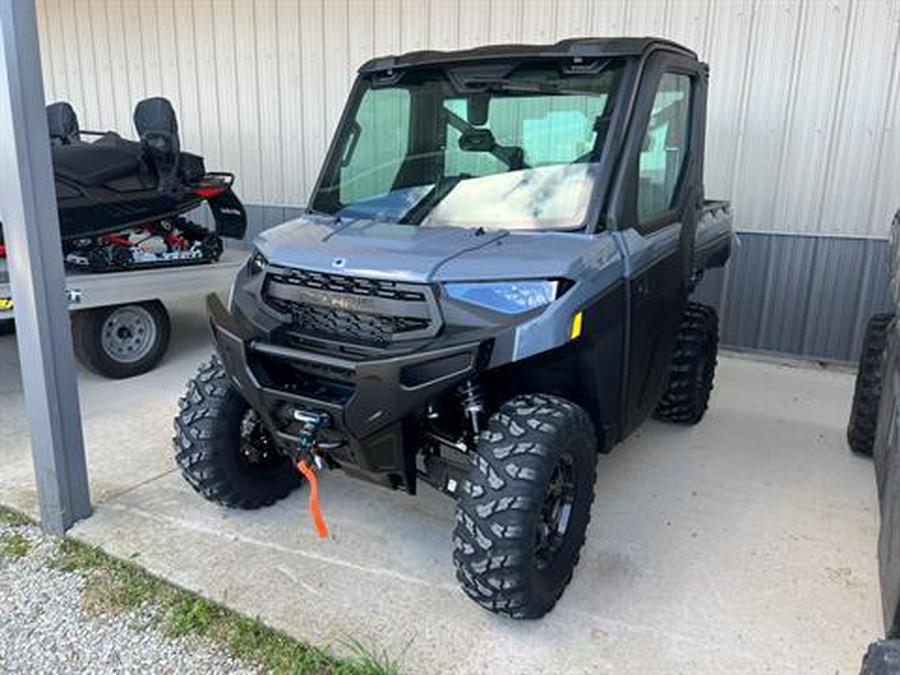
[804,108]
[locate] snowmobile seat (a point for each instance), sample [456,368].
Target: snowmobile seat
[62,123]
[93,164]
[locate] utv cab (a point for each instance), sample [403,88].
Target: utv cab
[490,287]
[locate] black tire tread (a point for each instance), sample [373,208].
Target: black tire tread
[869,380]
[203,429]
[502,495]
[682,402]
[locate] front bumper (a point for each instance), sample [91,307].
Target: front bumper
[369,402]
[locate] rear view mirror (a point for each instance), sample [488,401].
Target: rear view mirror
[477,109]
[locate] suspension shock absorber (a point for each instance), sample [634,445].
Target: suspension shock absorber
[472,404]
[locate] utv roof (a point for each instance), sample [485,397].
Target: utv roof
[589,48]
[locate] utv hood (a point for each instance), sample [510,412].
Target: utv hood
[411,253]
[368,248]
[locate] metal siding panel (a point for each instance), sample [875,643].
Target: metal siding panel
[387,33]
[250,139]
[810,119]
[190,124]
[887,193]
[291,103]
[608,17]
[268,101]
[506,21]
[538,22]
[149,26]
[766,93]
[474,23]
[117,52]
[312,62]
[207,84]
[338,69]
[728,57]
[414,25]
[859,132]
[228,92]
[443,24]
[572,18]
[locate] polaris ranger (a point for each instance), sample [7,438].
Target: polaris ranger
[490,287]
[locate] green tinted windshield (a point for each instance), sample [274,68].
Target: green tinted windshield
[512,152]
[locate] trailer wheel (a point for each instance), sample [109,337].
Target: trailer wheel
[121,341]
[7,326]
[222,448]
[869,379]
[524,509]
[690,379]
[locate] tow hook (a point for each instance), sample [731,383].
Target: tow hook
[309,460]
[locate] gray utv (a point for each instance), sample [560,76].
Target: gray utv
[491,286]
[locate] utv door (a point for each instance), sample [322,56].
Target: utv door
[659,192]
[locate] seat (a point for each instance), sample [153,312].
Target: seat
[62,122]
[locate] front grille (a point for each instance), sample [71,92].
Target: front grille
[379,288]
[352,309]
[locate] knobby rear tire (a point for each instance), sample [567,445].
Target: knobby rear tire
[690,379]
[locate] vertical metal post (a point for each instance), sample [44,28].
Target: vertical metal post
[31,233]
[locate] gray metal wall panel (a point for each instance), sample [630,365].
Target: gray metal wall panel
[800,295]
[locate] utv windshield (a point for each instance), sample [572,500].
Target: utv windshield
[515,151]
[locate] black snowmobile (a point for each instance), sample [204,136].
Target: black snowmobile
[124,204]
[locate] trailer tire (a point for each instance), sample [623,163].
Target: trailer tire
[119,341]
[223,458]
[690,379]
[869,380]
[525,506]
[7,326]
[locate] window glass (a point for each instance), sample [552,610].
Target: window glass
[665,146]
[514,150]
[549,129]
[377,145]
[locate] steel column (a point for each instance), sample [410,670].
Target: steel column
[31,232]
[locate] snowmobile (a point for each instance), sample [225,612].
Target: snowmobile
[125,204]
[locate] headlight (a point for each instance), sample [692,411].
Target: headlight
[509,297]
[256,263]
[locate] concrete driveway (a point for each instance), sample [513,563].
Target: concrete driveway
[744,545]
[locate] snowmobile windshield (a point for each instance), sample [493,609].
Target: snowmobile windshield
[511,146]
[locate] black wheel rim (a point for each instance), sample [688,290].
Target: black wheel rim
[256,450]
[556,512]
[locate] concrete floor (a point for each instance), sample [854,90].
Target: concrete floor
[743,545]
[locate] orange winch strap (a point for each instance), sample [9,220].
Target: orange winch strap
[310,475]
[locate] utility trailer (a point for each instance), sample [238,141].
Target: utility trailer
[120,326]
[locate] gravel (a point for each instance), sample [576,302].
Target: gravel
[44,629]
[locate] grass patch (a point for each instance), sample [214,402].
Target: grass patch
[13,518]
[14,545]
[114,586]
